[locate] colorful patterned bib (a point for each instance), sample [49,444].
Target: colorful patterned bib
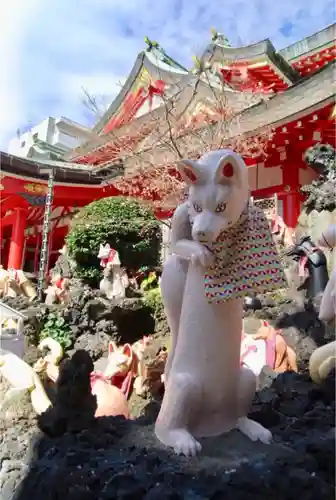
[246,260]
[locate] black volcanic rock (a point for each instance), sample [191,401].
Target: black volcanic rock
[122,459]
[93,320]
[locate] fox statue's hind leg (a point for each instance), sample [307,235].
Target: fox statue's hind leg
[246,391]
[172,288]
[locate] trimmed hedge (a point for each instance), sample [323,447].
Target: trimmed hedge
[129,227]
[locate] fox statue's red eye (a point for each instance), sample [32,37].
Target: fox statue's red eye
[197,207]
[221,207]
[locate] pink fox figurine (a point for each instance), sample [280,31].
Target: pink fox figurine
[267,347]
[222,249]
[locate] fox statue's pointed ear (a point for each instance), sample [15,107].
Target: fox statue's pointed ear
[229,169]
[189,171]
[127,350]
[112,348]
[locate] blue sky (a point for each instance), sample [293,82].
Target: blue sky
[50,49]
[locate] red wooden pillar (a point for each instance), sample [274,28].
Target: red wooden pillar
[291,197]
[291,208]
[16,249]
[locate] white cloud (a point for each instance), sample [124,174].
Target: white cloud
[14,17]
[50,49]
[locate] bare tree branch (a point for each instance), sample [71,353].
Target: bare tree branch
[200,115]
[96,105]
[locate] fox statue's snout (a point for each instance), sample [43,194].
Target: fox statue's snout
[207,227]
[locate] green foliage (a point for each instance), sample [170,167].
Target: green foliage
[150,282]
[153,300]
[126,225]
[58,329]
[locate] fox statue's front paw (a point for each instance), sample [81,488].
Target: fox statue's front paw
[254,430]
[202,255]
[181,441]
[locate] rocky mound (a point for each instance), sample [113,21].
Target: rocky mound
[107,458]
[92,320]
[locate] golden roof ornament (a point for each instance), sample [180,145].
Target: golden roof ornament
[155,48]
[214,34]
[219,38]
[151,44]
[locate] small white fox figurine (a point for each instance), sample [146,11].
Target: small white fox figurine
[115,281]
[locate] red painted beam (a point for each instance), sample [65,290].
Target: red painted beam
[267,192]
[15,186]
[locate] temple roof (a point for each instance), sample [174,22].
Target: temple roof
[312,53]
[64,172]
[152,64]
[310,45]
[302,98]
[24,184]
[155,78]
[308,92]
[283,67]
[308,95]
[96,163]
[257,57]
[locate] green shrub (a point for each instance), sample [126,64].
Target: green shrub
[126,225]
[150,282]
[58,329]
[153,300]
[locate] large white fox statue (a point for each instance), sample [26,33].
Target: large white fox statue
[221,249]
